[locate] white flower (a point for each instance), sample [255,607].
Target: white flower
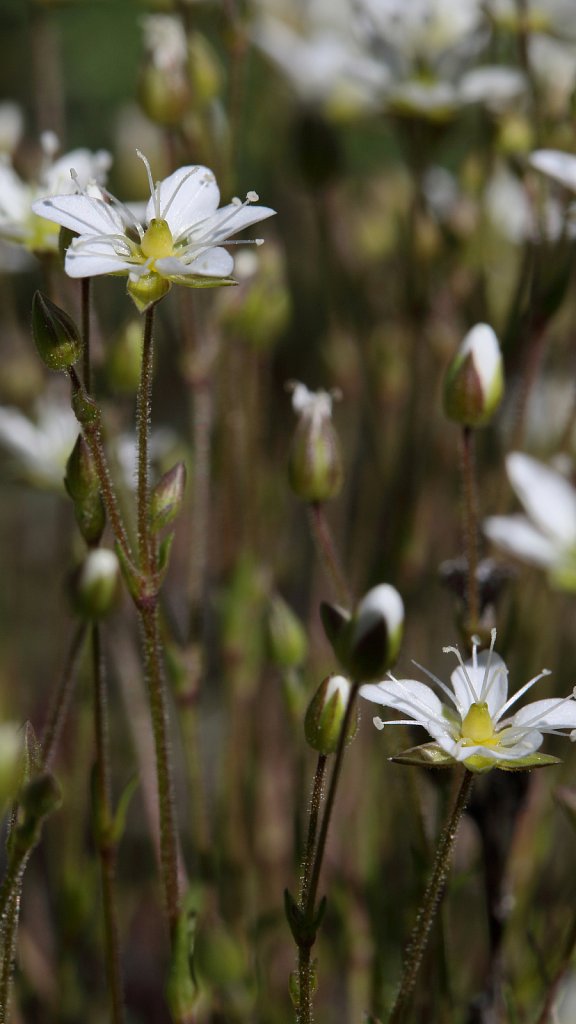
[316,406]
[474,726]
[164,41]
[546,536]
[39,448]
[179,239]
[18,221]
[11,126]
[559,166]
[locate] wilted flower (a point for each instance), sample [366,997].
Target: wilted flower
[18,221]
[315,463]
[179,239]
[546,536]
[39,447]
[473,727]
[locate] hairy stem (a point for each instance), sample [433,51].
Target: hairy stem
[61,701]
[430,902]
[326,548]
[470,529]
[145,541]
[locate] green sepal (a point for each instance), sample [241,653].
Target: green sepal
[55,334]
[427,755]
[203,282]
[535,760]
[132,576]
[164,550]
[147,290]
[303,928]
[182,987]
[334,620]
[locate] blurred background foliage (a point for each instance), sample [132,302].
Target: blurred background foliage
[366,285]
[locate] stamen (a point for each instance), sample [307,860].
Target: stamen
[520,693]
[472,691]
[154,191]
[445,689]
[191,172]
[252,197]
[485,689]
[534,720]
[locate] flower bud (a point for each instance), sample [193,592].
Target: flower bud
[81,478]
[315,463]
[204,70]
[95,584]
[124,359]
[167,497]
[325,715]
[287,641]
[367,643]
[55,334]
[11,762]
[474,383]
[164,90]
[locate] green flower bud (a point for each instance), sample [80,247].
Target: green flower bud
[81,478]
[164,95]
[55,334]
[315,463]
[167,497]
[204,70]
[368,642]
[95,584]
[181,988]
[11,762]
[124,359]
[474,383]
[287,640]
[325,715]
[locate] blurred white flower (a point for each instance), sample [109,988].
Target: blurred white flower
[180,238]
[557,165]
[514,215]
[164,41]
[474,728]
[11,126]
[18,222]
[546,535]
[557,17]
[164,446]
[39,447]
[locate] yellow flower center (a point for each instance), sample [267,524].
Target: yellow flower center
[157,241]
[477,726]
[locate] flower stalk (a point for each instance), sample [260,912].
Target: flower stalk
[470,529]
[326,548]
[434,890]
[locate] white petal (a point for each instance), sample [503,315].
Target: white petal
[561,167]
[215,262]
[380,603]
[409,696]
[546,495]
[79,213]
[188,195]
[547,714]
[99,259]
[482,344]
[14,196]
[475,685]
[232,218]
[517,536]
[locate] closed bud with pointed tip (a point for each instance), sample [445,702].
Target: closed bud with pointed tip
[474,382]
[325,715]
[287,641]
[167,497]
[370,642]
[315,463]
[55,334]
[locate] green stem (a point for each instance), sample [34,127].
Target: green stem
[430,902]
[323,834]
[145,542]
[470,529]
[304,948]
[92,433]
[159,713]
[104,839]
[61,701]
[9,935]
[327,551]
[85,285]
